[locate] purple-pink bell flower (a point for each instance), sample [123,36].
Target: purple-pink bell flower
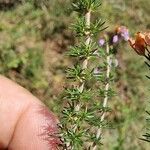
[125,36]
[101,42]
[115,39]
[124,32]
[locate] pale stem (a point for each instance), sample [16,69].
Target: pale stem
[99,131]
[85,62]
[87,42]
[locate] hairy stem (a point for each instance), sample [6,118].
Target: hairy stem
[85,62]
[99,131]
[87,42]
[84,66]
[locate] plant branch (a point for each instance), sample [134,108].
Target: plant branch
[87,42]
[85,62]
[99,131]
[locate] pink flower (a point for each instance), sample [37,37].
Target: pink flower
[115,39]
[101,42]
[123,32]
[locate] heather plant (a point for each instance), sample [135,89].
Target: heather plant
[146,136]
[31,28]
[141,46]
[83,116]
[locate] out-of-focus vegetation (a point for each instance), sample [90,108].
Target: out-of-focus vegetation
[34,37]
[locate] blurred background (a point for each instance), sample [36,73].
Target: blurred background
[34,39]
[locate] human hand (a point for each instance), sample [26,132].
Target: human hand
[25,123]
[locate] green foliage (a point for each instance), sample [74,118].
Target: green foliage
[82,117]
[23,27]
[81,29]
[83,51]
[82,6]
[146,136]
[147,63]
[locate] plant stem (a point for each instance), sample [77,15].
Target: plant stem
[87,42]
[84,66]
[99,131]
[85,62]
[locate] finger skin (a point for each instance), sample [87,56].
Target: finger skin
[26,124]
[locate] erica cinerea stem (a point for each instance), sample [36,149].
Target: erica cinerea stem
[85,62]
[108,59]
[107,84]
[87,42]
[80,117]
